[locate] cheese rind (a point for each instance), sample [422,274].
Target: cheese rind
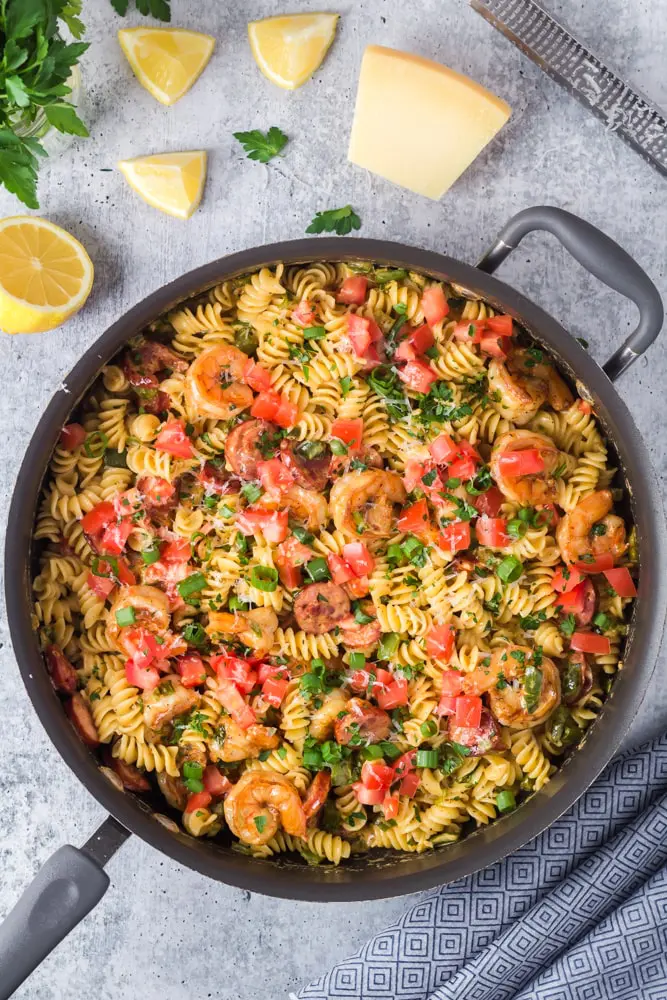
[418,123]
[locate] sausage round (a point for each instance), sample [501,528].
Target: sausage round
[585,616]
[364,721]
[310,473]
[320,606]
[241,447]
[63,674]
[317,794]
[130,775]
[82,720]
[480,740]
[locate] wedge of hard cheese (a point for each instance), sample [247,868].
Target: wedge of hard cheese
[418,123]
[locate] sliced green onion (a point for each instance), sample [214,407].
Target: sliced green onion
[395,553]
[96,444]
[427,758]
[317,570]
[151,555]
[517,528]
[505,801]
[191,769]
[383,275]
[314,333]
[194,634]
[532,688]
[312,758]
[388,645]
[191,585]
[428,728]
[125,616]
[115,459]
[236,604]
[301,533]
[251,492]
[357,661]
[110,560]
[264,578]
[510,569]
[373,752]
[337,447]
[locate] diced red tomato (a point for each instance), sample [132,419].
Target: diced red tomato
[114,537]
[405,352]
[340,571]
[274,476]
[359,332]
[415,470]
[585,406]
[256,377]
[350,432]
[200,800]
[173,439]
[468,711]
[599,564]
[469,331]
[455,537]
[360,680]
[125,574]
[393,695]
[418,376]
[272,406]
[100,585]
[145,678]
[358,558]
[376,774]
[494,346]
[447,705]
[465,449]
[409,784]
[501,325]
[274,690]
[492,531]
[235,669]
[405,764]
[272,523]
[490,502]
[290,557]
[366,796]
[547,513]
[390,806]
[266,670]
[215,784]
[155,490]
[566,579]
[521,463]
[462,468]
[572,601]
[192,670]
[287,413]
[303,313]
[621,581]
[452,681]
[434,304]
[142,645]
[176,551]
[444,449]
[232,700]
[421,339]
[590,642]
[353,290]
[415,519]
[440,642]
[72,437]
[96,520]
[357,588]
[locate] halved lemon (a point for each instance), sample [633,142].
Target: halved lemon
[289,49]
[172,182]
[166,61]
[45,275]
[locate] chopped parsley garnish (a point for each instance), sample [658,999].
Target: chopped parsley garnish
[260,823]
[568,625]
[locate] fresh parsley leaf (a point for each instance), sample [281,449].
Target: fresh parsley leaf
[335,220]
[65,119]
[568,625]
[262,147]
[159,9]
[385,383]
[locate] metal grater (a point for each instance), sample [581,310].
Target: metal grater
[625,111]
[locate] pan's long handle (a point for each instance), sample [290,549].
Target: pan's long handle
[605,259]
[64,890]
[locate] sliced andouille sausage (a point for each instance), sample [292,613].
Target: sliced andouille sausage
[479,740]
[63,674]
[82,720]
[173,790]
[317,793]
[133,779]
[308,461]
[320,607]
[217,480]
[585,616]
[242,447]
[363,720]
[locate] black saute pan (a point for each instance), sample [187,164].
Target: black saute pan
[72,881]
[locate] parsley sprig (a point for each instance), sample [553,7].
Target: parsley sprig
[262,147]
[35,67]
[161,9]
[335,220]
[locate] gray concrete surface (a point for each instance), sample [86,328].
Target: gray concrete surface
[162,931]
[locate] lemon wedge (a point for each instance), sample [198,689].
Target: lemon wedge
[172,182]
[289,49]
[45,275]
[166,61]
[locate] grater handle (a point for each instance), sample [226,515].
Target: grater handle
[604,259]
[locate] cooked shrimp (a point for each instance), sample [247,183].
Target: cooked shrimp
[362,723]
[257,796]
[255,628]
[306,505]
[151,611]
[520,385]
[523,690]
[322,721]
[238,743]
[537,488]
[167,701]
[362,503]
[590,530]
[213,386]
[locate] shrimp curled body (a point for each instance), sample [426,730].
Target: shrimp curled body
[151,611]
[575,535]
[504,681]
[213,383]
[259,796]
[535,489]
[365,501]
[522,383]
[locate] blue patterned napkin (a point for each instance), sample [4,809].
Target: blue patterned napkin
[580,913]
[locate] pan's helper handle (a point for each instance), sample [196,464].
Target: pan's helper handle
[604,259]
[63,891]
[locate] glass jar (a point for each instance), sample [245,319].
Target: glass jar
[40,128]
